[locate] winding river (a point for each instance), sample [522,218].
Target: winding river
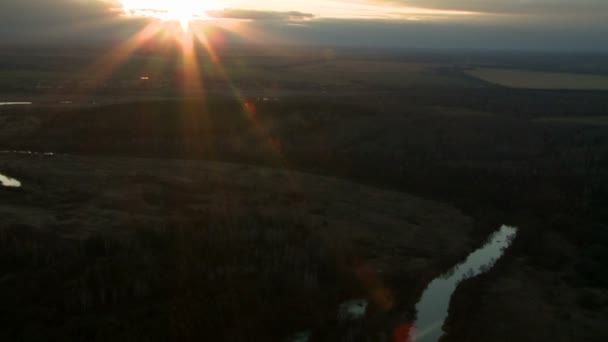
[433,306]
[432,309]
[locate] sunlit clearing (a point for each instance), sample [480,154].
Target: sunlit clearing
[181,11]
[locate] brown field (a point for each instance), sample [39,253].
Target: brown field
[525,79]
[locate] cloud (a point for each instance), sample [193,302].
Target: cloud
[245,14]
[448,35]
[514,13]
[46,11]
[514,24]
[544,7]
[67,20]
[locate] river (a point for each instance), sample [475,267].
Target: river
[432,309]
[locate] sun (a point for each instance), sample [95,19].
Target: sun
[181,11]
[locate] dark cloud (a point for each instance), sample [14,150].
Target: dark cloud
[548,24]
[401,34]
[43,20]
[541,7]
[235,13]
[33,12]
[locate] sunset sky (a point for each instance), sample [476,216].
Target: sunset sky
[516,24]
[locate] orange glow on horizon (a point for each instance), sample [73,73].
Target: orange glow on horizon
[180,11]
[196,44]
[187,11]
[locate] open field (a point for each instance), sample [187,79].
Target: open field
[527,79]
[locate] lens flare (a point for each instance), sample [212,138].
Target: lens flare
[180,11]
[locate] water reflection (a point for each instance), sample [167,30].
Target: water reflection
[9,182]
[352,310]
[303,336]
[433,305]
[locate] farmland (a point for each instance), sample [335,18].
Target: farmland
[399,162]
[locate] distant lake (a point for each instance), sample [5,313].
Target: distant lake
[433,305]
[15,103]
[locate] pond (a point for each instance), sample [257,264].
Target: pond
[352,310]
[303,336]
[433,306]
[9,182]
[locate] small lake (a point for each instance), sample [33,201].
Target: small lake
[9,182]
[433,306]
[15,103]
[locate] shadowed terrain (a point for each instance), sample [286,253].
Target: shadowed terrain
[140,249]
[187,216]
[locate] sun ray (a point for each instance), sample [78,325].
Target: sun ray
[103,67]
[108,62]
[195,120]
[180,11]
[248,106]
